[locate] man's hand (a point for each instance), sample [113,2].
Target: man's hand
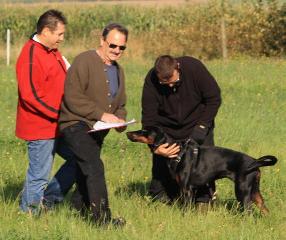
[168,151]
[121,129]
[199,133]
[110,118]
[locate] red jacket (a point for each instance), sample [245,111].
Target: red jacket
[40,73]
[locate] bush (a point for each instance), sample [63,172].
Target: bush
[255,29]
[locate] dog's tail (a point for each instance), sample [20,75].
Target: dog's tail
[262,162]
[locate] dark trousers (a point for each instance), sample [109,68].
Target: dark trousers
[163,186]
[91,186]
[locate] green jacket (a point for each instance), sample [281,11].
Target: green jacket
[86,93]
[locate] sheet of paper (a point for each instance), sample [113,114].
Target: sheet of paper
[99,125]
[66,62]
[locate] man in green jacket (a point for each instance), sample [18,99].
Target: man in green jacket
[94,91]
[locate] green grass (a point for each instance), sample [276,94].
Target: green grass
[251,119]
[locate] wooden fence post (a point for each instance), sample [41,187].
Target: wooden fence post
[8,46]
[223,39]
[223,30]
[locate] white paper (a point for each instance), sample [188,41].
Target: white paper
[66,62]
[99,125]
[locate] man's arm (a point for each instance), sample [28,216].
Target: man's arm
[150,102]
[31,90]
[75,98]
[210,93]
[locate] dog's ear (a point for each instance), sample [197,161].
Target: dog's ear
[155,135]
[142,136]
[144,139]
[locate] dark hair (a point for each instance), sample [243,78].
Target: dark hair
[116,26]
[165,66]
[50,19]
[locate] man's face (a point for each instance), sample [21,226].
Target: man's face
[172,81]
[114,45]
[52,39]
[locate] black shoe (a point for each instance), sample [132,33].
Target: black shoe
[47,205]
[160,197]
[104,219]
[118,222]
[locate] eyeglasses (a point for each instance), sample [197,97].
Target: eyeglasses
[170,82]
[113,46]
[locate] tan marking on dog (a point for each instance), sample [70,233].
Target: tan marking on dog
[257,197]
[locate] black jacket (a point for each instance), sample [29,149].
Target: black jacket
[178,109]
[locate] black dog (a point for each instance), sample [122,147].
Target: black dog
[198,165]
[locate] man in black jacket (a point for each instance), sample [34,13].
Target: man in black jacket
[181,97]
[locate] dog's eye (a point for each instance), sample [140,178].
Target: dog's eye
[145,132]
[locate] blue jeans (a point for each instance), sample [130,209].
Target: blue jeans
[64,179]
[41,155]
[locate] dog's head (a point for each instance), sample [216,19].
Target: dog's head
[149,135]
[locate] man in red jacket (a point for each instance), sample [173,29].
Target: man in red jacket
[41,71]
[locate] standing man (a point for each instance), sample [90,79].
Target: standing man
[182,98]
[94,90]
[41,72]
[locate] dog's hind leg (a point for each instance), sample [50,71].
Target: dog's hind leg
[243,192]
[256,195]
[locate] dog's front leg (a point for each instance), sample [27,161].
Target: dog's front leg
[186,197]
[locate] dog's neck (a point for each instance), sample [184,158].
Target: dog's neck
[189,151]
[186,145]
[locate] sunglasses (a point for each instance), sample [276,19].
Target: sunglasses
[113,46]
[170,82]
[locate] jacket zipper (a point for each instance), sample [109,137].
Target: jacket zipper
[175,91]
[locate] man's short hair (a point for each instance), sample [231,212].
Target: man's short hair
[50,19]
[165,66]
[120,28]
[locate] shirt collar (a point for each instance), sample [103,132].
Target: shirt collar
[35,38]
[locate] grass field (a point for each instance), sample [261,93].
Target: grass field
[251,119]
[110,2]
